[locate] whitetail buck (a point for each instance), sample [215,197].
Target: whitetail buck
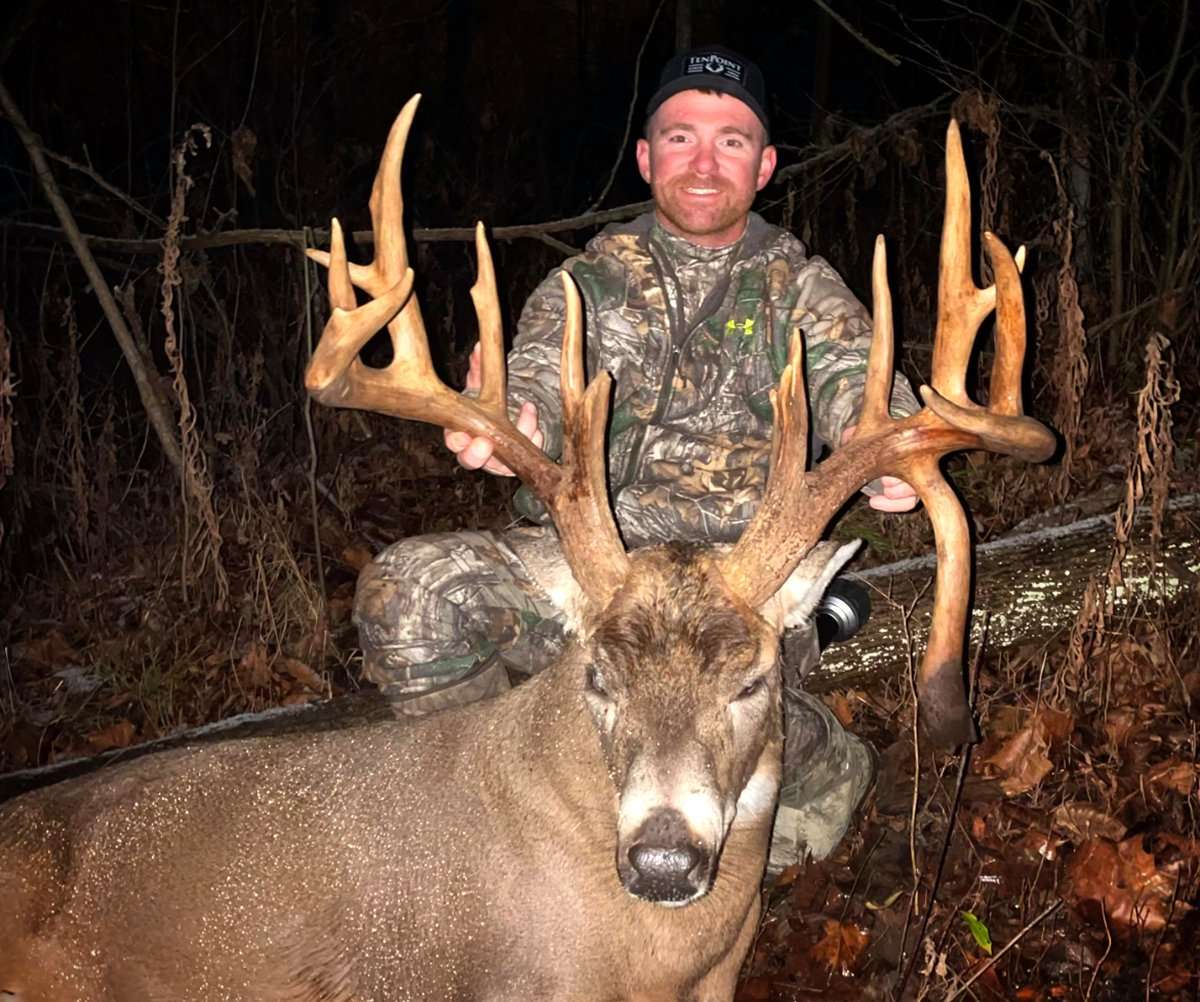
[524,847]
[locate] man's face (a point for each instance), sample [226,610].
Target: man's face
[704,160]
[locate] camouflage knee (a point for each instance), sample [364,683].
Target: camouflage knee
[430,607]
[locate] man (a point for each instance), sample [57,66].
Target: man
[690,307]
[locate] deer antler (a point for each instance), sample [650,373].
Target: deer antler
[797,505]
[574,492]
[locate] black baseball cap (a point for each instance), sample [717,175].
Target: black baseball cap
[713,67]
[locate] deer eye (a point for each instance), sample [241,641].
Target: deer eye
[595,681]
[752,688]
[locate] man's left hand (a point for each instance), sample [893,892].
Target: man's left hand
[897,495]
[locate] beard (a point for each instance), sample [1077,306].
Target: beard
[692,217]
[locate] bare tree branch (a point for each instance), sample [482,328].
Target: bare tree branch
[633,99]
[156,407]
[862,39]
[810,158]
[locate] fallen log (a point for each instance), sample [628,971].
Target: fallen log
[1029,588]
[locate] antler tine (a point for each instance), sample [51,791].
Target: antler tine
[334,371]
[880,361]
[962,305]
[1004,390]
[941,695]
[584,519]
[387,199]
[386,205]
[761,561]
[493,393]
[408,386]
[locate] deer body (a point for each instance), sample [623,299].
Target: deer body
[469,855]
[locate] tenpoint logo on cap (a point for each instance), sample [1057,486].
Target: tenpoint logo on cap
[716,65]
[712,67]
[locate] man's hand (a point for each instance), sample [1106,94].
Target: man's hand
[897,495]
[474,453]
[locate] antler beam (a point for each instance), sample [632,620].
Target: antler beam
[797,506]
[408,387]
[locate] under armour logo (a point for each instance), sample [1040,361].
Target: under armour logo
[746,326]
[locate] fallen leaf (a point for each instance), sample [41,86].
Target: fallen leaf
[301,673]
[1040,843]
[254,669]
[1022,758]
[118,735]
[1081,822]
[356,556]
[840,705]
[1057,724]
[840,946]
[52,650]
[1119,724]
[1176,775]
[1124,880]
[979,931]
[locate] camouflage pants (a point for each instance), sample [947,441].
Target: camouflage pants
[430,607]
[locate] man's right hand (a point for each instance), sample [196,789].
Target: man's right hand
[476,452]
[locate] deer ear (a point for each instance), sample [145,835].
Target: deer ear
[799,596]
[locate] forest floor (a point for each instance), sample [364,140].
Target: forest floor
[1059,860]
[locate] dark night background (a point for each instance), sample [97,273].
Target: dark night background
[136,599]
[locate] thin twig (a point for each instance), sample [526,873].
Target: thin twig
[633,100]
[124,197]
[963,763]
[863,40]
[1039,917]
[912,820]
[320,235]
[561,246]
[258,41]
[1108,943]
[312,449]
[1162,933]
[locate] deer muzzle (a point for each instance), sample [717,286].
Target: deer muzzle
[671,827]
[664,861]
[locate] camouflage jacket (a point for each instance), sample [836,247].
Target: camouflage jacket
[695,338]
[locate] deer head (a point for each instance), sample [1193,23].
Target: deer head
[678,645]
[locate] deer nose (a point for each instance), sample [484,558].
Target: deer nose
[665,862]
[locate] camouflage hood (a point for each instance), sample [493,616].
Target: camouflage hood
[695,339]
